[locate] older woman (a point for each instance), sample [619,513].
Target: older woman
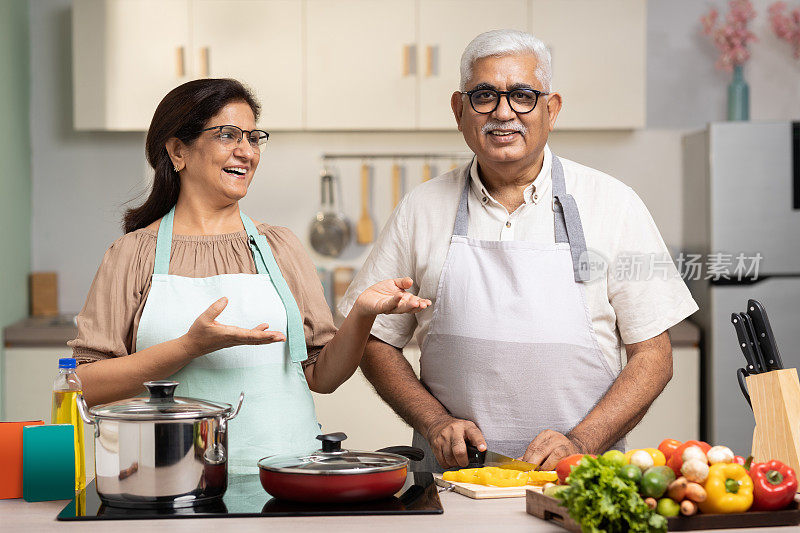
[197,292]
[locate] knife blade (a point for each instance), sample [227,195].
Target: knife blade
[478,458]
[764,335]
[744,344]
[751,336]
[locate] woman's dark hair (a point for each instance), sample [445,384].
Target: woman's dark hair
[183,112]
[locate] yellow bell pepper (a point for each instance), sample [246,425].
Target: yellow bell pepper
[729,489]
[540,477]
[658,457]
[499,477]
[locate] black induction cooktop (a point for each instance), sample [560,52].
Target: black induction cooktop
[246,497]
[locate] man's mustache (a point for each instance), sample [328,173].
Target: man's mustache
[507,125]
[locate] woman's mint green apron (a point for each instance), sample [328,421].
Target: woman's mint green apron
[277,415]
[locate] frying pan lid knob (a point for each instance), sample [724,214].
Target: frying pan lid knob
[332,442]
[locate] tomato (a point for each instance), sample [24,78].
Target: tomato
[739,460]
[564,466]
[676,461]
[668,447]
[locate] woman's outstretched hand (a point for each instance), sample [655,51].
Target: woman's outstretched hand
[206,335]
[390,297]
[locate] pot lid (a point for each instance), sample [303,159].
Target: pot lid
[160,405]
[331,459]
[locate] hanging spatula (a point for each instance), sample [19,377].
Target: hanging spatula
[365,231]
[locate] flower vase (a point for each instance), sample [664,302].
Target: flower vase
[738,96]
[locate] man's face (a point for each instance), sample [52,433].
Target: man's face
[505,136]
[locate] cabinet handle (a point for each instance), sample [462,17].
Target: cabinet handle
[409,62]
[204,65]
[396,184]
[426,172]
[180,61]
[430,60]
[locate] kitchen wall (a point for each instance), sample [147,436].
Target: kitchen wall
[82,180]
[684,90]
[15,152]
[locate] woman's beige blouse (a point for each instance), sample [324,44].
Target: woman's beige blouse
[108,323]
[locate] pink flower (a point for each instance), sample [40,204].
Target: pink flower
[786,25]
[731,37]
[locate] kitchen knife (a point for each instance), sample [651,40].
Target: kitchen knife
[764,335]
[751,336]
[478,458]
[741,373]
[744,344]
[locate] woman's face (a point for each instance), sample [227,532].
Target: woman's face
[223,171]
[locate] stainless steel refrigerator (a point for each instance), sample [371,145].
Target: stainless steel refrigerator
[741,199]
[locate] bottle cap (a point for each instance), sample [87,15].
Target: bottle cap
[67,362]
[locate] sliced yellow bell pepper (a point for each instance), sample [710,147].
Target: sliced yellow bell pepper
[729,489]
[540,477]
[499,477]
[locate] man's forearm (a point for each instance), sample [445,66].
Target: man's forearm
[394,380]
[648,371]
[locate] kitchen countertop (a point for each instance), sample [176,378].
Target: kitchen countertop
[460,514]
[41,332]
[56,331]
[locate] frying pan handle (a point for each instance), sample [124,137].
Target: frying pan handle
[415,454]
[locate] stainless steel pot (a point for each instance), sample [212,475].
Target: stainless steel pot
[161,451]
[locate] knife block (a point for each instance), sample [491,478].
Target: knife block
[775,396]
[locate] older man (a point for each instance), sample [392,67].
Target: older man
[521,350]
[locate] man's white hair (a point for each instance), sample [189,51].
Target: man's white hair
[504,43]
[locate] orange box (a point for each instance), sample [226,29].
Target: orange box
[11,457]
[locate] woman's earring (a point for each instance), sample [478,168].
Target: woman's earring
[176,168]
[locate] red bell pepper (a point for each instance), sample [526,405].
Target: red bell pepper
[739,460]
[774,485]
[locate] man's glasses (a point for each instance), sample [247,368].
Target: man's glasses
[230,136]
[485,101]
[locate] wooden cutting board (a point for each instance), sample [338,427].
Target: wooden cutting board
[480,492]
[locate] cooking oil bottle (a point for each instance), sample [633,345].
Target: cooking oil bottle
[66,388]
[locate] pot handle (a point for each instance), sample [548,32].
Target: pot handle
[83,410]
[411,452]
[235,412]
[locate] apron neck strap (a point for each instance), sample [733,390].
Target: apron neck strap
[164,243]
[568,227]
[252,238]
[567,219]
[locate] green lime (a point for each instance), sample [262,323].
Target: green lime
[666,471]
[668,507]
[630,473]
[654,483]
[615,457]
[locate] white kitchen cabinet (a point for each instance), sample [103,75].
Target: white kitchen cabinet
[361,64]
[445,29]
[260,43]
[598,56]
[28,375]
[127,54]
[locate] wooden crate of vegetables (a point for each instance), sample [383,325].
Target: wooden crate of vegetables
[677,487]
